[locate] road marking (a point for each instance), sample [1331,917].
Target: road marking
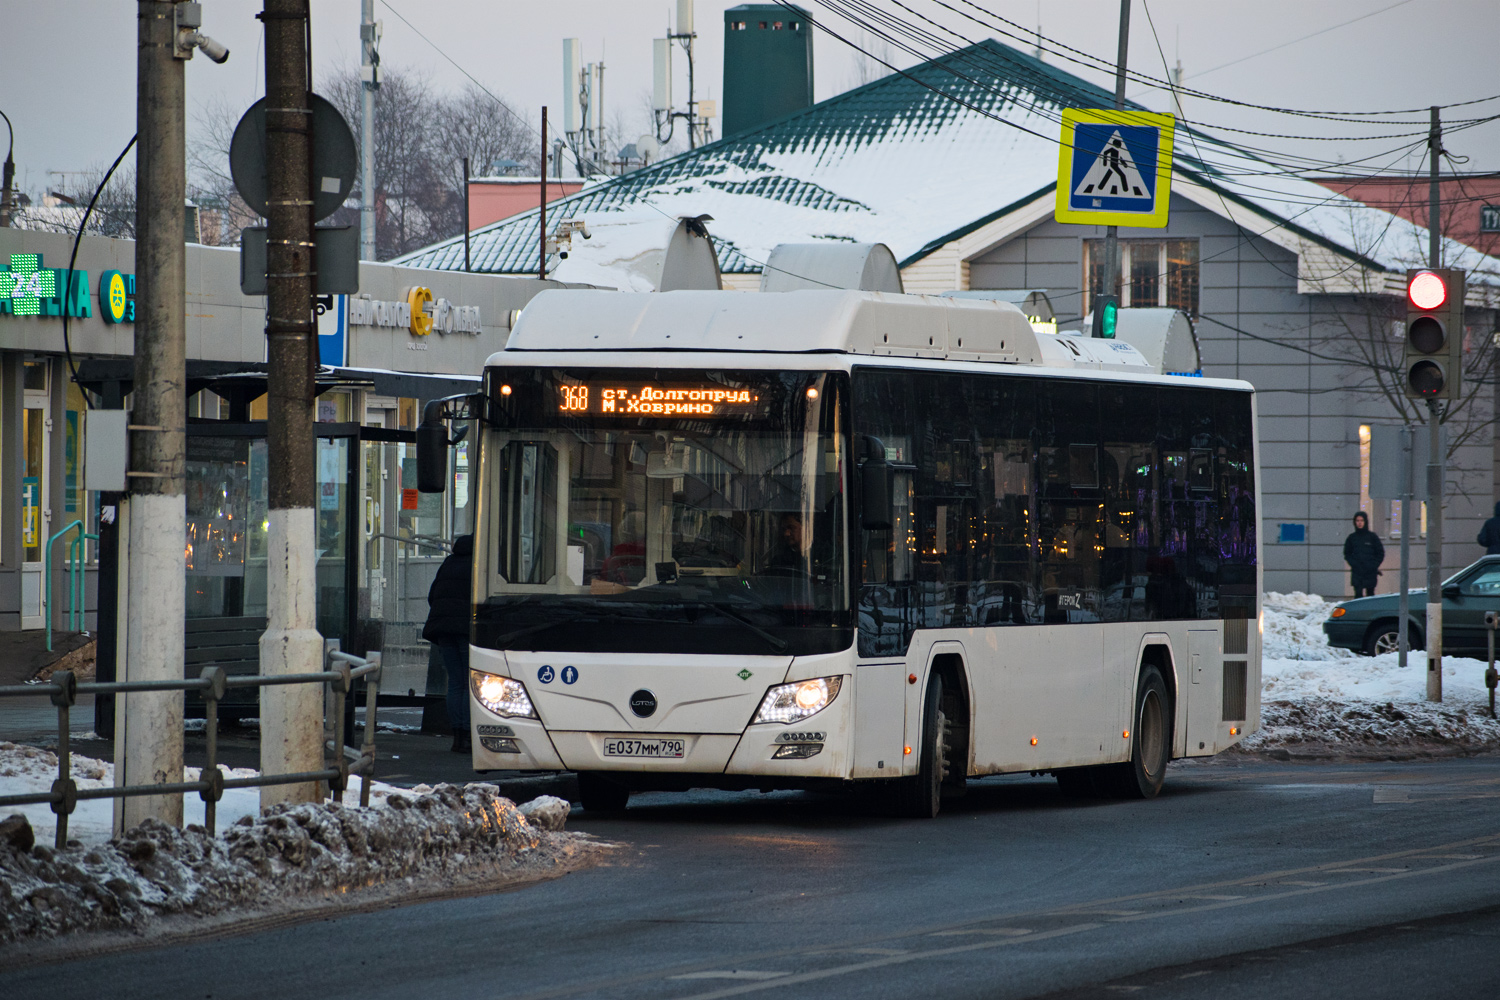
[877,963]
[731,974]
[1090,913]
[1369,870]
[1280,877]
[1212,896]
[998,931]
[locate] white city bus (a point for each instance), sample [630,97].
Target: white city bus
[833,538]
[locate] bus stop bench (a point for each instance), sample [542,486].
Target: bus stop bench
[231,643]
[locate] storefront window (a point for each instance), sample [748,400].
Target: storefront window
[31,483]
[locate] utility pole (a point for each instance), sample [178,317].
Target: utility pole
[369,76]
[1436,460]
[1112,233]
[466,215]
[291,726]
[541,270]
[151,737]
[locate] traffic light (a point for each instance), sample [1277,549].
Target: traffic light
[1434,362]
[1106,316]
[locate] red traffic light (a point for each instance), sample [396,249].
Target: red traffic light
[1427,291]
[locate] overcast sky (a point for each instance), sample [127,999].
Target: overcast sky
[68,67]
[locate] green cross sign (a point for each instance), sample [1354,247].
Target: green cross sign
[26,283]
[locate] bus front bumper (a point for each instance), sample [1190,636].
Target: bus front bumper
[816,747]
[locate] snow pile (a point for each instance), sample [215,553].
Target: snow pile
[449,835]
[1317,696]
[1294,628]
[27,770]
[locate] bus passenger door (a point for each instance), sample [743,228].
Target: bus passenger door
[879,719]
[1200,688]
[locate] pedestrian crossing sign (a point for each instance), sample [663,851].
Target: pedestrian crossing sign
[1114,168]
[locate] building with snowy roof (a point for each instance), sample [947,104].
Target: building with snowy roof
[952,165]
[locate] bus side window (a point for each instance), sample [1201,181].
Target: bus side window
[528,515]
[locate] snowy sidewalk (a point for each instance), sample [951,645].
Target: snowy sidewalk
[1330,700]
[291,857]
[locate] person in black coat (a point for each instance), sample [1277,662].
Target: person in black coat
[1489,535]
[450,613]
[1364,554]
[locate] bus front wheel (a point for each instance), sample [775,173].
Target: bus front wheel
[921,795]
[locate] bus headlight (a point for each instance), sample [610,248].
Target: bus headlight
[501,695]
[794,702]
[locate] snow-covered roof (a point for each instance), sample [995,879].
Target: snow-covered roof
[919,159]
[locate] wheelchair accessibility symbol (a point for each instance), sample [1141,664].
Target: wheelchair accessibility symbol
[545,675]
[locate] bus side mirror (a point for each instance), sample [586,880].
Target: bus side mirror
[433,441]
[432,456]
[875,487]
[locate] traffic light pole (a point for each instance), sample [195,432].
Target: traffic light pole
[291,727]
[1403,610]
[1112,233]
[1436,460]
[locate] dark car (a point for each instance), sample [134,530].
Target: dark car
[1368,624]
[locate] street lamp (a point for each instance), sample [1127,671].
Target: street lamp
[6,203]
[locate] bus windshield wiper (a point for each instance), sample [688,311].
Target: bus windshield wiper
[610,613]
[777,644]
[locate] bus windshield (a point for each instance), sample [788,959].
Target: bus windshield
[666,511]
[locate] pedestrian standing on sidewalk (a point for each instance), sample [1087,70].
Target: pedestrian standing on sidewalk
[1489,534]
[1364,554]
[450,613]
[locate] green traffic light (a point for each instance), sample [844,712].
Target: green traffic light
[1109,318]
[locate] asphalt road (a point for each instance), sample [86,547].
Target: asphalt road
[1286,879]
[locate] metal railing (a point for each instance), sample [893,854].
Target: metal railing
[343,670]
[75,565]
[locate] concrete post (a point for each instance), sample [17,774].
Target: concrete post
[152,737]
[291,715]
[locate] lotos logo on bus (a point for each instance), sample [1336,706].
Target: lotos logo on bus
[643,703]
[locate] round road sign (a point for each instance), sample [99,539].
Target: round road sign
[335,158]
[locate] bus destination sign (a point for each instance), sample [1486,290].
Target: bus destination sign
[655,401]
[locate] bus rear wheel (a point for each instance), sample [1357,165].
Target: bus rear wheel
[601,794]
[1141,777]
[921,795]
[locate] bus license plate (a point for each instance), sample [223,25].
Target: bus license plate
[617,747]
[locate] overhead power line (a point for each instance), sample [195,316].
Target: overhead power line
[1294,41]
[1062,50]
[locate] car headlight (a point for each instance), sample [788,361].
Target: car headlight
[794,702]
[501,695]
